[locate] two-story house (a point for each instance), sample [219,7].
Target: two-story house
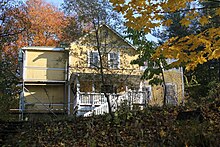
[75,82]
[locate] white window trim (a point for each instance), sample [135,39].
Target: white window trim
[118,66]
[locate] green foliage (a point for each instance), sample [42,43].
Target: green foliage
[8,90]
[214,90]
[146,49]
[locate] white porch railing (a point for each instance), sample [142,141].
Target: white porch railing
[132,98]
[91,98]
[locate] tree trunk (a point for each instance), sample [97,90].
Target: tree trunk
[165,88]
[101,70]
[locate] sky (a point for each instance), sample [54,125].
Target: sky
[59,2]
[55,2]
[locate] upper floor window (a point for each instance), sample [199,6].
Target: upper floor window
[93,59]
[113,60]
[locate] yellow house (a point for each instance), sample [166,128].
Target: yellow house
[120,78]
[57,80]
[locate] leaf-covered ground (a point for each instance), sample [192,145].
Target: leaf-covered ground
[153,126]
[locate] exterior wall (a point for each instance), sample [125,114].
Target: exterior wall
[171,77]
[43,65]
[43,98]
[110,43]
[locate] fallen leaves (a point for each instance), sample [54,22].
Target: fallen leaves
[153,126]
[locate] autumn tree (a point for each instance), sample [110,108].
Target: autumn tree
[12,20]
[207,73]
[46,24]
[147,15]
[72,31]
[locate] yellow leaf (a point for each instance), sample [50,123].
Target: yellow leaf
[204,20]
[118,8]
[185,22]
[217,12]
[168,22]
[201,60]
[215,54]
[162,133]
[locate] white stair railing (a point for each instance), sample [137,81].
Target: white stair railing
[103,108]
[117,100]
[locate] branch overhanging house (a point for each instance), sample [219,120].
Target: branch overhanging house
[68,81]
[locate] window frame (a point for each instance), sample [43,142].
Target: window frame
[111,64]
[91,64]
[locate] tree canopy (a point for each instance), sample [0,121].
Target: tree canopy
[46,23]
[192,49]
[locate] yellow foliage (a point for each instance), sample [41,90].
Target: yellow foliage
[168,22]
[191,50]
[186,22]
[204,20]
[217,12]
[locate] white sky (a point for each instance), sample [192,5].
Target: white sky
[55,2]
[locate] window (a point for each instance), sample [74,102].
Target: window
[93,59]
[113,60]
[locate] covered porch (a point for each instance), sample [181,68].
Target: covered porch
[86,93]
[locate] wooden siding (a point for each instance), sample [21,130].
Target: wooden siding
[111,43]
[42,98]
[44,66]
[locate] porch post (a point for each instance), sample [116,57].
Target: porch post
[141,92]
[68,109]
[77,91]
